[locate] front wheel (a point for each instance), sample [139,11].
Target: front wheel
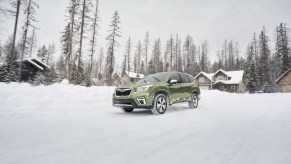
[194,101]
[160,104]
[127,110]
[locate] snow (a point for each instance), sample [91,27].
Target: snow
[209,76]
[68,124]
[235,76]
[284,74]
[134,75]
[32,62]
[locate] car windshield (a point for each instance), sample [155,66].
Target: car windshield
[154,78]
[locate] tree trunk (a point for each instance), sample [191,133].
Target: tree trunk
[14,37]
[81,37]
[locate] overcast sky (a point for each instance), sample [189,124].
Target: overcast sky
[211,20]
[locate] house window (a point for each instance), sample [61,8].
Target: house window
[201,79]
[220,78]
[221,88]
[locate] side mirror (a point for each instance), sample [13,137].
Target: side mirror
[173,81]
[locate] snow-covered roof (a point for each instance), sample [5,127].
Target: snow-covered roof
[235,76]
[221,70]
[134,75]
[33,63]
[36,62]
[283,75]
[209,76]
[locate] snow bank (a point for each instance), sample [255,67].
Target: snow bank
[73,124]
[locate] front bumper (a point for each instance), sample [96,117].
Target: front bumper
[129,103]
[134,100]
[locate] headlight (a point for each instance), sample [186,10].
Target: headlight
[143,88]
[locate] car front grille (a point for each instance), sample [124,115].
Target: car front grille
[122,91]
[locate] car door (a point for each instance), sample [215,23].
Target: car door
[186,86]
[175,89]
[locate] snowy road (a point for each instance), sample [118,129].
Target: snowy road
[71,124]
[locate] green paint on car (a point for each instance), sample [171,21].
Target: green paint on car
[158,91]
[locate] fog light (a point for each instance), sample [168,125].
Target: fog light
[141,100]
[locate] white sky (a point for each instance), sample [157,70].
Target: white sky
[211,20]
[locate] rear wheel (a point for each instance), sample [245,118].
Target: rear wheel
[160,104]
[194,101]
[127,110]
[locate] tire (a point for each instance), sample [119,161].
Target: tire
[127,110]
[160,104]
[194,101]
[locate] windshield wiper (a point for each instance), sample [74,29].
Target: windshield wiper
[156,79]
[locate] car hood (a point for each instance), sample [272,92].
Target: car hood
[137,85]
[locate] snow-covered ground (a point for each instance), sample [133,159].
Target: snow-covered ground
[69,124]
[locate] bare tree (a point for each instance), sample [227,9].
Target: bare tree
[94,27]
[72,10]
[32,42]
[85,9]
[29,18]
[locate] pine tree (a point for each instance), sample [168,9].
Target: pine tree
[138,52]
[142,68]
[51,75]
[134,63]
[225,55]
[1,54]
[146,45]
[113,43]
[10,61]
[160,66]
[231,56]
[4,73]
[42,54]
[282,48]
[203,62]
[151,67]
[178,63]
[187,52]
[128,52]
[69,36]
[171,52]
[123,66]
[39,79]
[236,57]
[50,54]
[65,47]
[100,61]
[157,53]
[264,60]
[61,68]
[251,85]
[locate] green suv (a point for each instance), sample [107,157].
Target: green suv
[158,91]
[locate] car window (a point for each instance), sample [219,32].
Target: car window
[184,78]
[175,76]
[191,79]
[158,77]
